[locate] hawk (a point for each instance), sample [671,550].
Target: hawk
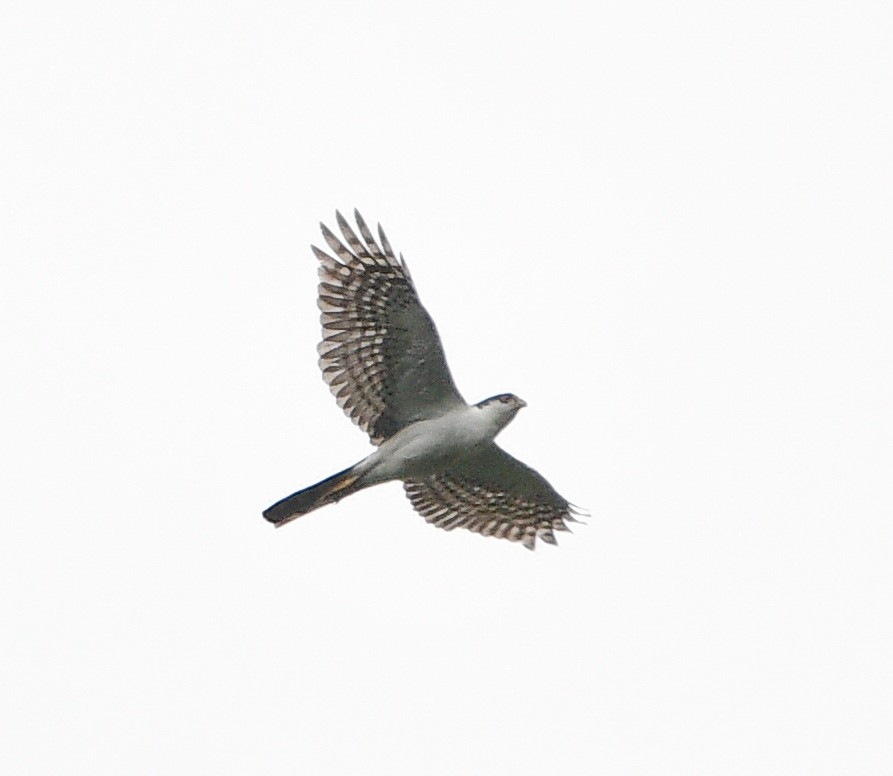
[382,359]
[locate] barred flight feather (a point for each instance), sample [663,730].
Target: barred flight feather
[380,353]
[493,494]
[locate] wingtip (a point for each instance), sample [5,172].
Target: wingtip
[342,221]
[574,513]
[320,254]
[385,245]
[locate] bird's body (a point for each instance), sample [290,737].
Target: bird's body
[429,446]
[418,450]
[384,363]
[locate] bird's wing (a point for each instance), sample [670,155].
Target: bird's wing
[380,353]
[493,494]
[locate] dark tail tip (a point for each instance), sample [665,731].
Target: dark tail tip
[328,491]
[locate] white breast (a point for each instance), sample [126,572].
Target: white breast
[427,446]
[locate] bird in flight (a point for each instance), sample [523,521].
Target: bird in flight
[382,359]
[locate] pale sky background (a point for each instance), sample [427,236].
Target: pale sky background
[666,226]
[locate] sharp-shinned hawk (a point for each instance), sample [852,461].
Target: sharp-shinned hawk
[382,359]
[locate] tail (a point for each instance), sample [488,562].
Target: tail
[328,491]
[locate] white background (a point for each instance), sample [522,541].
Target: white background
[666,226]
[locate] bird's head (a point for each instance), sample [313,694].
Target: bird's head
[502,407]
